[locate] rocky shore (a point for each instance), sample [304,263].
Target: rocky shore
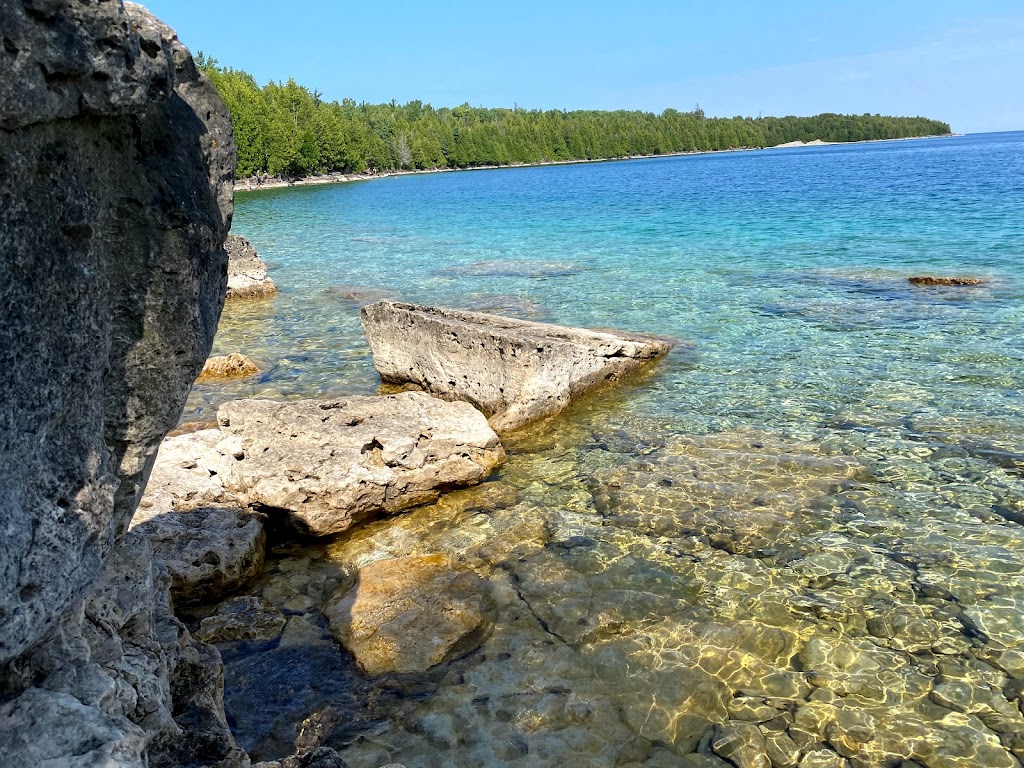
[444,575]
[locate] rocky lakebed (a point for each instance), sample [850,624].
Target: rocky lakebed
[601,590]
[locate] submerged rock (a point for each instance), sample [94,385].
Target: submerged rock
[232,366]
[207,551]
[931,280]
[359,295]
[515,371]
[513,268]
[410,614]
[247,274]
[321,757]
[242,618]
[331,463]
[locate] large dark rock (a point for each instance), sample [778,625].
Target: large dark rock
[116,163]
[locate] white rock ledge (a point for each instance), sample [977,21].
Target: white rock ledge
[514,371]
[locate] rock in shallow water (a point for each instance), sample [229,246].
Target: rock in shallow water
[409,614]
[232,366]
[207,551]
[332,463]
[931,280]
[515,371]
[247,274]
[242,618]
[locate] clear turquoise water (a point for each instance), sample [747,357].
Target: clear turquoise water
[786,268]
[814,504]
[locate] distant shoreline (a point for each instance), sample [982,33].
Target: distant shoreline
[251,184]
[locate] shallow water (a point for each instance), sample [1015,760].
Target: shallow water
[798,539]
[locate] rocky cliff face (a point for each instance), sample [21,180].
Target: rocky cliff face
[116,161]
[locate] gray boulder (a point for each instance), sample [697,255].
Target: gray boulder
[332,463]
[515,371]
[191,471]
[116,183]
[247,274]
[44,727]
[119,678]
[116,164]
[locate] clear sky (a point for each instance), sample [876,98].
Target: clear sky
[956,60]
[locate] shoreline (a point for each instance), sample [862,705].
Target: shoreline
[250,185]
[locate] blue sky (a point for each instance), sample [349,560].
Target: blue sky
[961,61]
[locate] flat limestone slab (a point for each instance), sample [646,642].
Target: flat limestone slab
[514,371]
[331,463]
[409,614]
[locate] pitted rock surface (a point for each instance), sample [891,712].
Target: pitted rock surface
[514,371]
[247,274]
[331,463]
[121,676]
[116,162]
[116,165]
[192,471]
[208,551]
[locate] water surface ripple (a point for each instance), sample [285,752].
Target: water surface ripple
[797,542]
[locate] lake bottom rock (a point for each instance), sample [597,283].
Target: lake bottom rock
[410,614]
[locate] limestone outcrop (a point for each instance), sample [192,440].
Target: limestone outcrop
[247,274]
[514,371]
[192,471]
[119,680]
[116,164]
[116,190]
[331,463]
[411,613]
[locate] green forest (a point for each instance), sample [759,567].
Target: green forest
[284,129]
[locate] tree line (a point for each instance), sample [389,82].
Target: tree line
[284,129]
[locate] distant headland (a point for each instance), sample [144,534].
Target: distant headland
[286,133]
